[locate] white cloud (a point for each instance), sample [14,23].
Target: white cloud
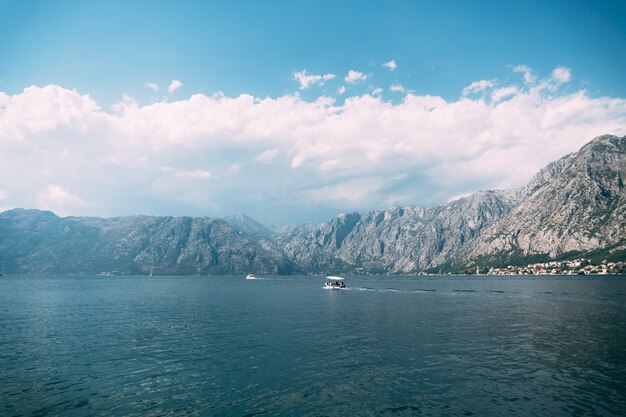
[501,93]
[59,199]
[391,65]
[59,150]
[396,88]
[152,86]
[355,76]
[459,196]
[478,86]
[307,80]
[196,173]
[268,156]
[377,91]
[341,90]
[558,77]
[351,191]
[528,74]
[561,75]
[38,110]
[174,85]
[177,173]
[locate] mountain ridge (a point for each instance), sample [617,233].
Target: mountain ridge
[582,207]
[575,204]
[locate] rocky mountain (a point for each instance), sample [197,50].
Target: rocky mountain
[34,241]
[575,204]
[398,240]
[250,226]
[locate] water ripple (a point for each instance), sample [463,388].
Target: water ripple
[220,346]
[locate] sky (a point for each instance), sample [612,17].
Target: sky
[294,111]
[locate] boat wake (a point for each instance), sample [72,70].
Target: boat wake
[392,290]
[447,292]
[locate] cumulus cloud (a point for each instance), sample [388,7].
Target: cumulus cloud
[341,90]
[174,85]
[59,150]
[152,86]
[396,88]
[59,199]
[479,86]
[391,65]
[307,80]
[501,93]
[355,76]
[528,74]
[377,91]
[561,75]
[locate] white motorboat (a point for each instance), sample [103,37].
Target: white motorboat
[250,276]
[334,283]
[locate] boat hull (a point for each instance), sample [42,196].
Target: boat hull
[333,287]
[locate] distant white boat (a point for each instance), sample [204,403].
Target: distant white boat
[334,283]
[250,276]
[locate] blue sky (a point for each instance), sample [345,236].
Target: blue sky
[572,53]
[108,48]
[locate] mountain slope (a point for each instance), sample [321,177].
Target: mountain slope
[40,242]
[399,239]
[580,207]
[249,226]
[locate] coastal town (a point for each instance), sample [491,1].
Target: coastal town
[580,266]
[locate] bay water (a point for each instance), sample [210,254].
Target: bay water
[283,346]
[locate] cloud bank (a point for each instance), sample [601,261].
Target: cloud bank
[285,159]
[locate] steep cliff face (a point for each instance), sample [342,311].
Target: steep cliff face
[399,239]
[575,204]
[313,248]
[33,241]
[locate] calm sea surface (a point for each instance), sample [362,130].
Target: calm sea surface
[222,346]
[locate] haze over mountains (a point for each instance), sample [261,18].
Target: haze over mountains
[575,205]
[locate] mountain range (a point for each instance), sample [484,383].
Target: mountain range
[572,207]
